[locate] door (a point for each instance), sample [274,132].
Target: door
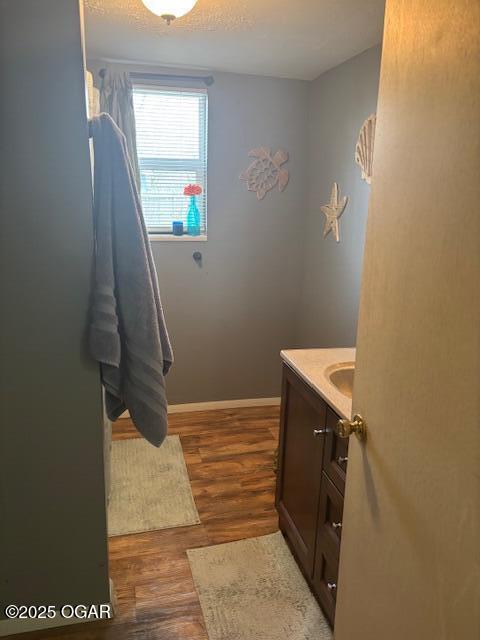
[302,426]
[410,563]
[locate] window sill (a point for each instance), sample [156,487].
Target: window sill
[169,237]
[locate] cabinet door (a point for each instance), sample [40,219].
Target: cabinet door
[300,466]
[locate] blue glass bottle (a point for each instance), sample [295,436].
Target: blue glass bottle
[193,218]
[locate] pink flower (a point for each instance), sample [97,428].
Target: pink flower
[192,190]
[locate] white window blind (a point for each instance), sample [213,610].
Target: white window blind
[172,152]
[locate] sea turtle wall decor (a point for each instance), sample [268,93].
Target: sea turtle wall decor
[332,211]
[266,171]
[364,148]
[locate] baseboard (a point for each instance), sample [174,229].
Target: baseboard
[218,404]
[223,404]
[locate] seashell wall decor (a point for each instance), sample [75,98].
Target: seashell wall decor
[364,148]
[332,211]
[266,171]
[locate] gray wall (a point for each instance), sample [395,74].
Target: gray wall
[268,280]
[52,507]
[229,319]
[340,100]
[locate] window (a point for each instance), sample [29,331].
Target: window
[172,152]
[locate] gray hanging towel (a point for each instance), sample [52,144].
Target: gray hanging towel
[127,332]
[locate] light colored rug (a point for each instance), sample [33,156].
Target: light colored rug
[150,487]
[253,590]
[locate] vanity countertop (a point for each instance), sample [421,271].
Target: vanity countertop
[310,364]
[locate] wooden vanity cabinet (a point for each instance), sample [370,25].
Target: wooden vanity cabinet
[312,465]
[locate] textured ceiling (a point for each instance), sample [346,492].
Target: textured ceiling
[285,38]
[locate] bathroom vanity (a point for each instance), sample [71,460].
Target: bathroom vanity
[312,463]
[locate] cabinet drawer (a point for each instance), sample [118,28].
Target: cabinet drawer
[325,584]
[335,455]
[327,551]
[330,518]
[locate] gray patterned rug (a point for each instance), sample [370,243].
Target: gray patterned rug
[253,590]
[150,487]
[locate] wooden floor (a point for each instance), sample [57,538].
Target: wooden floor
[229,455]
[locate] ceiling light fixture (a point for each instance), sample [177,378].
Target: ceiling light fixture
[169,9]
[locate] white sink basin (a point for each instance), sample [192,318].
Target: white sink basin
[341,376]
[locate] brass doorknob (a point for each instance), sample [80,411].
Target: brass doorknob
[358,426]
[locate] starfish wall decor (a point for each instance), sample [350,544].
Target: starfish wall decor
[333,210]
